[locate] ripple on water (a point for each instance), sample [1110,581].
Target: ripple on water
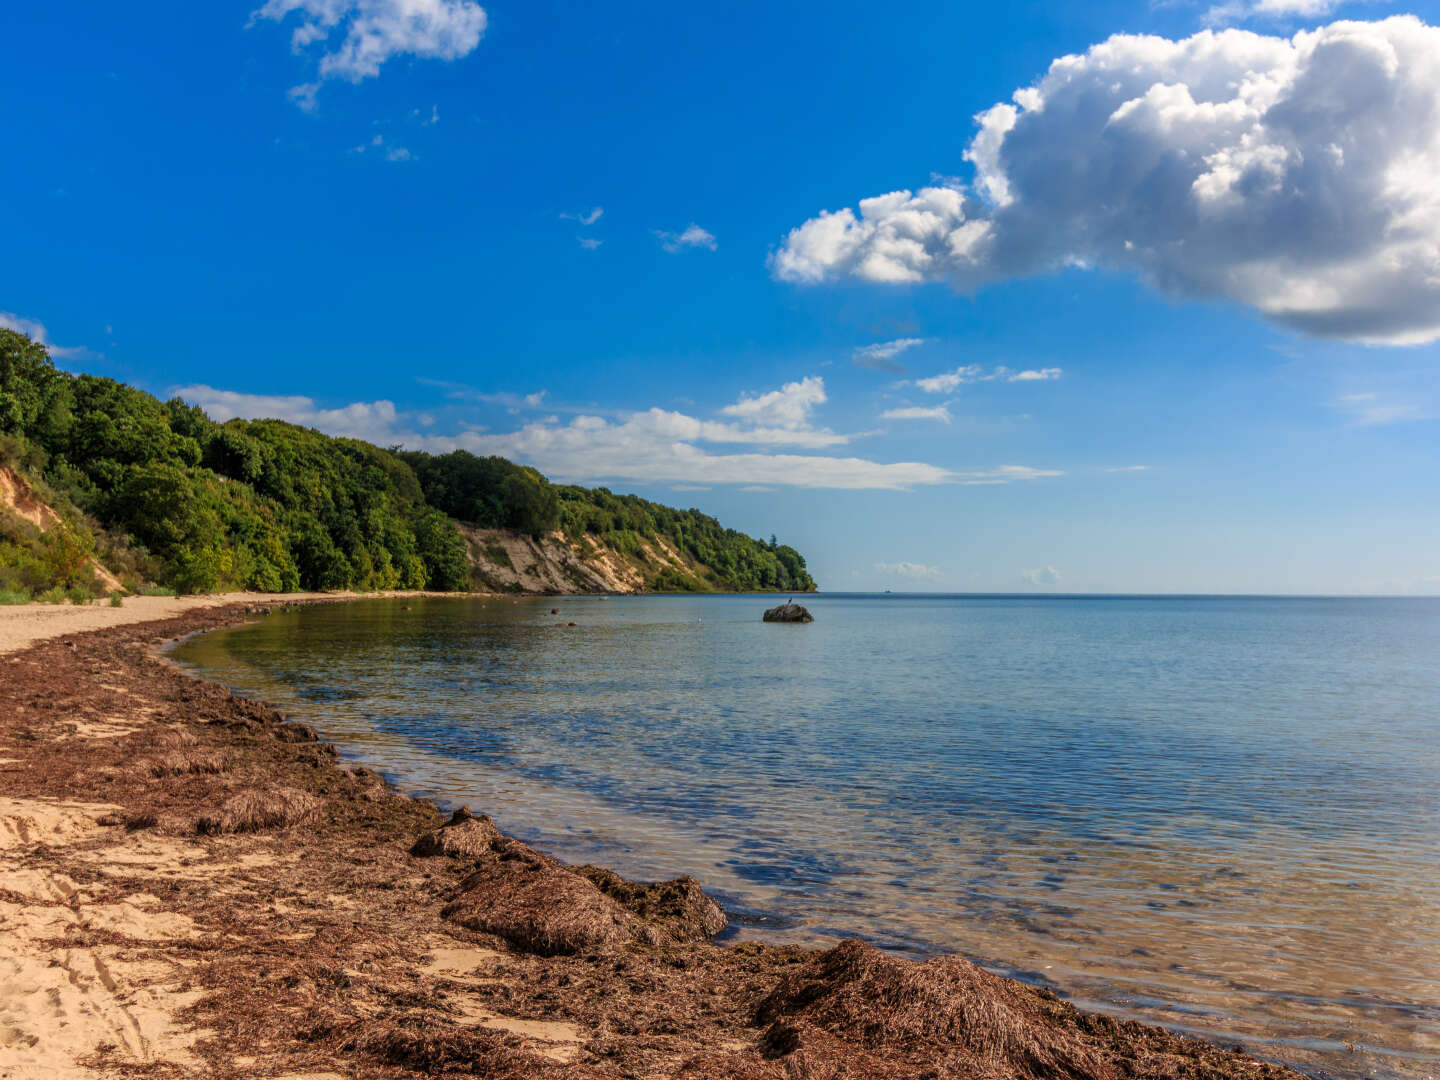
[1221,814]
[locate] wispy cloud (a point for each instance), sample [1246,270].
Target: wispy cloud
[589,243]
[1372,410]
[388,151]
[1128,468]
[918,571]
[692,237]
[656,446]
[372,32]
[1282,11]
[589,218]
[950,381]
[36,331]
[881,356]
[918,412]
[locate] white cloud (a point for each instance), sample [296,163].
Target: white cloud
[1128,468]
[380,146]
[372,32]
[585,219]
[949,381]
[1045,575]
[918,412]
[1291,175]
[37,333]
[788,407]
[375,421]
[1274,10]
[881,355]
[513,402]
[1373,410]
[693,237]
[651,447]
[589,243]
[910,570]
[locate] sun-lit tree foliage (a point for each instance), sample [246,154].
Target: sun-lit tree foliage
[204,506]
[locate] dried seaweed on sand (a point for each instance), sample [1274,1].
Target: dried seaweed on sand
[261,808]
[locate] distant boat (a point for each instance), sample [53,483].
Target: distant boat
[887,590]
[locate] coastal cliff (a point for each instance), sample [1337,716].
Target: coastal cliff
[159,495]
[504,560]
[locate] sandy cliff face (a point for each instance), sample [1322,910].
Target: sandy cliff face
[20,499]
[16,496]
[513,562]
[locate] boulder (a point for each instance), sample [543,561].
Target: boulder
[789,612]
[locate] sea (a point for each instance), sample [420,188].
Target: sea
[1220,814]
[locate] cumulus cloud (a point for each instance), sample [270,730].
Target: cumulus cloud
[918,412]
[657,446]
[881,355]
[1045,575]
[1292,175]
[371,32]
[693,237]
[910,570]
[37,333]
[949,381]
[788,407]
[375,421]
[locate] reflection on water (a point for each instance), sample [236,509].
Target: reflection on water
[1220,814]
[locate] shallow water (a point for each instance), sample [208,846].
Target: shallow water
[1222,814]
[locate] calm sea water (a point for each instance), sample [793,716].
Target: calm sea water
[1222,814]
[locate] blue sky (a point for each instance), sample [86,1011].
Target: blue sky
[1164,322]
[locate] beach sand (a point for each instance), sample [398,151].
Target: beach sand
[190,885]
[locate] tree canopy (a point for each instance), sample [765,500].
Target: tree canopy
[270,506]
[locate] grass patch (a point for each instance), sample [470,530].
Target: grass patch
[497,555]
[157,590]
[10,597]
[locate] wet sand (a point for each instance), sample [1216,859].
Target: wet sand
[191,885]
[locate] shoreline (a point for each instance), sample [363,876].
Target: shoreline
[187,879]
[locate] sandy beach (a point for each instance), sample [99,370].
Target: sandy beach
[192,885]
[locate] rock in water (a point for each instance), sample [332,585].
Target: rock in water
[788,612]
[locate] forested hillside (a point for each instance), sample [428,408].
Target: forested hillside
[162,495]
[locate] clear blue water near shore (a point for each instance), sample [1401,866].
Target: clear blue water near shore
[1221,813]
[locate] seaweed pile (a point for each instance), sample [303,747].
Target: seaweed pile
[340,926]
